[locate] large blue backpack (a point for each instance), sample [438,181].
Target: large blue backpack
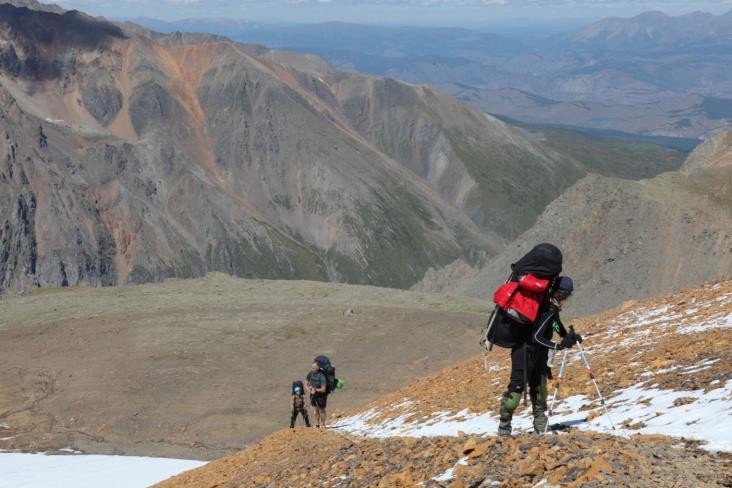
[327,368]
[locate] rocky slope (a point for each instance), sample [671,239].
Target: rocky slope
[623,239]
[132,156]
[305,458]
[663,365]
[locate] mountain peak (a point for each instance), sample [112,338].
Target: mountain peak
[652,16]
[36,5]
[41,39]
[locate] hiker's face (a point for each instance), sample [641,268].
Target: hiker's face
[560,299]
[561,296]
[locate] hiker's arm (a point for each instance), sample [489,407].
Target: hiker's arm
[292,403]
[545,321]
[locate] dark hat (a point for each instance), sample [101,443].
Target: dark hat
[565,285]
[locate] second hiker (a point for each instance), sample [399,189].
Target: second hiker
[317,386]
[297,404]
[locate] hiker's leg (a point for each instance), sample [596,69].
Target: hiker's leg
[314,404]
[537,388]
[293,417]
[509,402]
[538,405]
[512,397]
[304,414]
[324,404]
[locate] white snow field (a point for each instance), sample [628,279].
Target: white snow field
[19,470]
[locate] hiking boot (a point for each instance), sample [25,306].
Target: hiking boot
[509,402]
[504,427]
[539,407]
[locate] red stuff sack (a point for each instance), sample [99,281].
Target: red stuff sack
[521,299]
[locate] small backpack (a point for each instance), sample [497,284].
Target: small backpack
[522,298]
[327,368]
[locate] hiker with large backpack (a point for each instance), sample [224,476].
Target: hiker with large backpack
[317,386]
[322,382]
[297,404]
[526,295]
[530,361]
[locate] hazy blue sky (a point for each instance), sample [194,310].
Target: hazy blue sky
[452,12]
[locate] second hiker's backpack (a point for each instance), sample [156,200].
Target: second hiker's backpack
[297,384]
[327,368]
[531,278]
[520,299]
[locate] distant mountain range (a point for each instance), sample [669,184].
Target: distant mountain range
[654,31]
[651,74]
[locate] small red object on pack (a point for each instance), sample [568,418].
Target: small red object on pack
[521,299]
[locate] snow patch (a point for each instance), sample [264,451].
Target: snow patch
[721,322]
[707,417]
[449,474]
[81,471]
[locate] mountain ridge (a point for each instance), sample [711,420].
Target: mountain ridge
[671,82]
[398,147]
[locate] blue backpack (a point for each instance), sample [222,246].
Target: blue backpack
[327,368]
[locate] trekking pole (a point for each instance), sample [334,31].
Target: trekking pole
[592,377]
[557,383]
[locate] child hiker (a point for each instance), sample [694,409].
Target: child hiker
[297,404]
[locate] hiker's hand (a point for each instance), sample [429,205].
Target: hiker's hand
[569,340]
